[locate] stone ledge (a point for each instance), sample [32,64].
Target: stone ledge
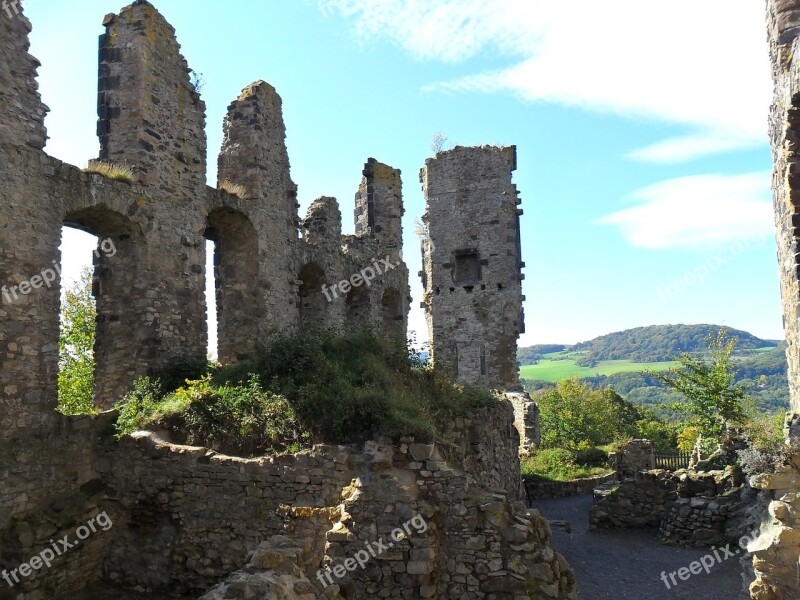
[563,489]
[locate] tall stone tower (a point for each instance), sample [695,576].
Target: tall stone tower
[472,264]
[379,207]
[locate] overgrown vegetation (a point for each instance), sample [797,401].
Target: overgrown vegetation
[234,189]
[75,348]
[713,400]
[574,416]
[581,425]
[767,450]
[307,387]
[110,170]
[559,464]
[239,419]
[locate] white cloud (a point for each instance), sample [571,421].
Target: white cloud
[697,211]
[702,65]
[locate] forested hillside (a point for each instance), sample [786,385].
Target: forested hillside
[658,343]
[761,363]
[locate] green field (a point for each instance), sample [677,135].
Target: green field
[560,365]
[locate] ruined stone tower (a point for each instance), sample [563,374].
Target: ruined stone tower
[472,264]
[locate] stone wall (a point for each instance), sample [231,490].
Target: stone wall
[776,564]
[688,508]
[150,289]
[635,456]
[526,420]
[563,489]
[472,266]
[152,119]
[185,518]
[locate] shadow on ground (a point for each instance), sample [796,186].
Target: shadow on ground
[627,564]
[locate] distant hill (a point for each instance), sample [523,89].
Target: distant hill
[655,343]
[532,354]
[618,360]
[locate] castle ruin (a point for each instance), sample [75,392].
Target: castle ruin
[186,518]
[472,264]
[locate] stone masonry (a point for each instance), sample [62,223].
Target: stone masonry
[777,550]
[186,518]
[472,266]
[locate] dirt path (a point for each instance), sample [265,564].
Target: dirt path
[627,564]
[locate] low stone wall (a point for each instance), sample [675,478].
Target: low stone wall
[182,519]
[562,489]
[688,508]
[776,551]
[635,456]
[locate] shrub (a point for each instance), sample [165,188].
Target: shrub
[767,450]
[239,420]
[574,414]
[687,439]
[592,457]
[557,464]
[110,170]
[183,369]
[322,387]
[552,463]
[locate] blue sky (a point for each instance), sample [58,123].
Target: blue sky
[643,159]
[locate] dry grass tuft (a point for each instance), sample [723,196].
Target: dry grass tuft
[233,189]
[110,170]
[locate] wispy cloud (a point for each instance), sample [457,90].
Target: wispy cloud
[697,211]
[701,65]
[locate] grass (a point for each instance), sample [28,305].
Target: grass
[302,389]
[110,170]
[557,464]
[233,189]
[559,365]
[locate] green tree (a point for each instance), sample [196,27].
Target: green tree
[75,346]
[573,416]
[713,398]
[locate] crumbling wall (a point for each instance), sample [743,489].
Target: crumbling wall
[472,265]
[526,420]
[149,275]
[194,516]
[776,551]
[183,518]
[150,288]
[689,508]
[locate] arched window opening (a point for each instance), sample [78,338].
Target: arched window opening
[312,303]
[235,281]
[75,273]
[392,311]
[358,305]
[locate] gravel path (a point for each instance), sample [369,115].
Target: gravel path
[627,564]
[106,592]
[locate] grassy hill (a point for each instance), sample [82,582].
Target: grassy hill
[617,360]
[556,366]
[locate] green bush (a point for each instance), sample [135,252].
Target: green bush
[591,457]
[322,387]
[557,464]
[239,420]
